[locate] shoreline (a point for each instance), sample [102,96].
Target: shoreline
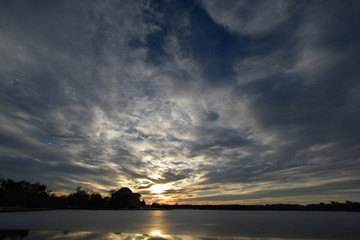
[168,209]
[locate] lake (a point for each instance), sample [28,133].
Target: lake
[178,224]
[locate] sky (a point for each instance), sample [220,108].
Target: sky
[216,102]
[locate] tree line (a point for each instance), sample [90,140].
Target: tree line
[332,206]
[25,195]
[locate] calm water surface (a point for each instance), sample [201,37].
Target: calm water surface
[179,224]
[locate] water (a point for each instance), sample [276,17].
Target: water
[179,224]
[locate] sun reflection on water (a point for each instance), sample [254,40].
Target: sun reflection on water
[153,235]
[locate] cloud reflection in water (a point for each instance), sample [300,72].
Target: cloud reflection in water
[84,235]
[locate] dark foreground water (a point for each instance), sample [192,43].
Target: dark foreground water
[178,224]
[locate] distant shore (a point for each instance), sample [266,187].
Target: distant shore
[13,209]
[332,206]
[347,206]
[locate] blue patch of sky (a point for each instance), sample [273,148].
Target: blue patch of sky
[212,116]
[149,151]
[217,49]
[131,130]
[210,44]
[155,42]
[231,189]
[208,193]
[184,143]
[249,187]
[45,140]
[174,139]
[177,183]
[213,47]
[177,163]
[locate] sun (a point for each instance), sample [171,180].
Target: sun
[155,233]
[159,188]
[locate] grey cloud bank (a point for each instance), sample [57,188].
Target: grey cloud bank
[194,101]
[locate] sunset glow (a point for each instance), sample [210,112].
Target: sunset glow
[156,233]
[160,188]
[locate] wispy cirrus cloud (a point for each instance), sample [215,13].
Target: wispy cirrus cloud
[249,17]
[204,101]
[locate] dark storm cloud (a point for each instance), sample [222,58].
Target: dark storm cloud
[201,96]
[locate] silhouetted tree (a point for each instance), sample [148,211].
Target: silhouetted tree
[80,198]
[96,201]
[22,194]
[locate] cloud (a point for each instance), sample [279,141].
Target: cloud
[61,84]
[203,97]
[332,189]
[170,176]
[248,17]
